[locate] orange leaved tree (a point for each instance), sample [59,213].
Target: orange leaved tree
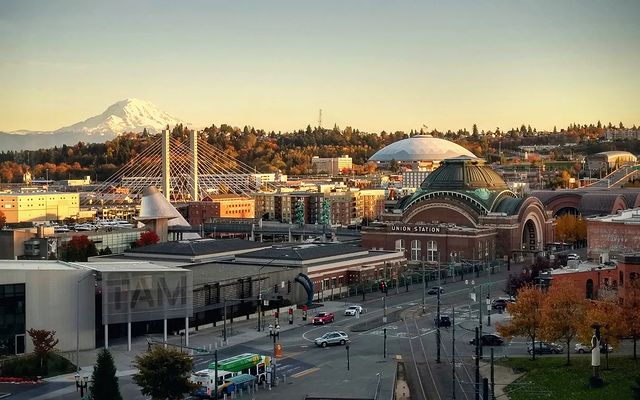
[563,313]
[608,315]
[526,315]
[630,312]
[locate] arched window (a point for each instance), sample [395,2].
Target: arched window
[400,245]
[416,250]
[432,251]
[589,288]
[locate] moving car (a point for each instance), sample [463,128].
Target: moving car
[501,302]
[445,321]
[586,348]
[434,290]
[545,348]
[353,310]
[323,318]
[332,338]
[489,339]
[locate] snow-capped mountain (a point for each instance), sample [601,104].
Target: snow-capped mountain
[129,115]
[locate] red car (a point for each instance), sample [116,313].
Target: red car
[323,318]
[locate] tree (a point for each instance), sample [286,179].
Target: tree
[563,313]
[147,238]
[526,315]
[163,373]
[44,342]
[630,314]
[104,383]
[79,248]
[3,219]
[609,316]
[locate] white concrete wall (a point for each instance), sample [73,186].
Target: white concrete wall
[51,304]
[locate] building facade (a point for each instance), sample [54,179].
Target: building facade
[332,166]
[463,210]
[612,235]
[35,207]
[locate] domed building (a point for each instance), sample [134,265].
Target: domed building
[463,210]
[422,152]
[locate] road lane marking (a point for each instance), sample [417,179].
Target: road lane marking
[305,372]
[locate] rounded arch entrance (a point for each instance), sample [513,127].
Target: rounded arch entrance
[531,239]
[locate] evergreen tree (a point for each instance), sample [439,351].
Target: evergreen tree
[104,383]
[474,131]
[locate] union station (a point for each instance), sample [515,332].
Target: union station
[464,210]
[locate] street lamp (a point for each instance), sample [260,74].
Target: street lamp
[78,322]
[81,383]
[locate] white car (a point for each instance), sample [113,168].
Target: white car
[353,310]
[585,348]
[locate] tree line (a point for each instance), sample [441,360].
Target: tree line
[288,152]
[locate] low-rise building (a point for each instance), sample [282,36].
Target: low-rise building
[612,235]
[333,165]
[41,206]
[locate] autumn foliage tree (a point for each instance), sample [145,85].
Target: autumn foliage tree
[526,315]
[147,238]
[563,313]
[571,229]
[79,248]
[609,316]
[44,342]
[631,312]
[3,219]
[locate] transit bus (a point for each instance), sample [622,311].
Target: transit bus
[246,363]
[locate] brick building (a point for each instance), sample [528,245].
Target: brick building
[463,210]
[612,235]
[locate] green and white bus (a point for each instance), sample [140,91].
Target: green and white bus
[246,363]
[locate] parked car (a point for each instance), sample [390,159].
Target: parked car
[489,339]
[434,290]
[353,310]
[501,302]
[332,338]
[445,321]
[572,256]
[545,348]
[586,348]
[323,318]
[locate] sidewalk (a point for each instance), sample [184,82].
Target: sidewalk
[208,337]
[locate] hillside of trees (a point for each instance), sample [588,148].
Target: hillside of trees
[289,152]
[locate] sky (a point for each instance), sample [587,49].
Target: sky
[371,65]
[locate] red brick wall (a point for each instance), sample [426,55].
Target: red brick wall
[612,238]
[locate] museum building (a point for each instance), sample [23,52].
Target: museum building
[463,210]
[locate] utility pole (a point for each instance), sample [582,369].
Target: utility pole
[215,373]
[493,382]
[453,353]
[384,306]
[224,325]
[477,385]
[384,347]
[424,288]
[438,343]
[480,317]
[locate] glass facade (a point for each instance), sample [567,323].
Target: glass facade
[12,318]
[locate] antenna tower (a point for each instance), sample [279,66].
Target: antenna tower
[320,119]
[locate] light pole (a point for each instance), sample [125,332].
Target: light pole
[347,347]
[78,321]
[81,383]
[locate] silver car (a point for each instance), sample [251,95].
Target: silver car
[331,338]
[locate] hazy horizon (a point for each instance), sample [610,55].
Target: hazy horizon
[370,65]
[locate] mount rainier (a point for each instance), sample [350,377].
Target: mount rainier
[129,115]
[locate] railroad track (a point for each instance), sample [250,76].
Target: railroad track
[427,386]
